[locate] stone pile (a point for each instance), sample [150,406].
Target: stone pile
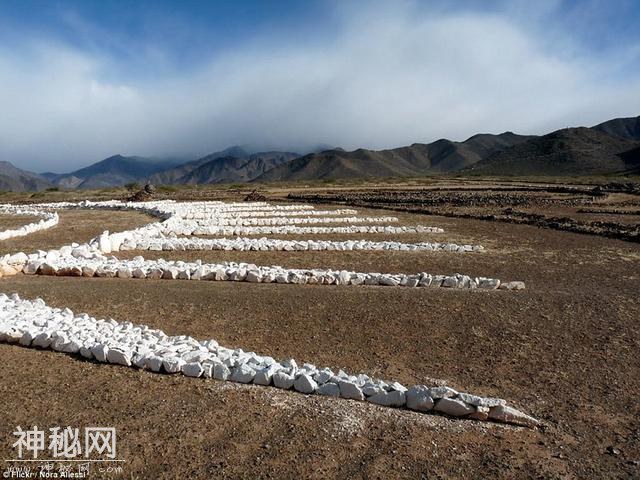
[47,220]
[33,324]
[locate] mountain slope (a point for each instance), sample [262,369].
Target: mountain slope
[18,180]
[418,159]
[113,171]
[571,151]
[173,175]
[231,169]
[622,127]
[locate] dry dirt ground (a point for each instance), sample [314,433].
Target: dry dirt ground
[563,350]
[74,225]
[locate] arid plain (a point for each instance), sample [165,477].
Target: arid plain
[564,350]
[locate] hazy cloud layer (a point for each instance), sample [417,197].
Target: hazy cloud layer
[387,78]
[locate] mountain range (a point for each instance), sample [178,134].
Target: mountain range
[612,147]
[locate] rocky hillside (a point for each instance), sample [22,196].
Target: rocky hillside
[15,179]
[418,159]
[570,151]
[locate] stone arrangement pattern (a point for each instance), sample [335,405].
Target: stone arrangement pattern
[34,324]
[178,219]
[47,220]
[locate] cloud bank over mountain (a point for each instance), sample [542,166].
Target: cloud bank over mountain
[383,77]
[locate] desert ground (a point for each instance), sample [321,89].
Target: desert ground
[564,350]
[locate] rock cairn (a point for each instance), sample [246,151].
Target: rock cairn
[34,324]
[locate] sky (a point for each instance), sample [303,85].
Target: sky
[84,80]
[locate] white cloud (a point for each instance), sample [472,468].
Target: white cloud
[388,78]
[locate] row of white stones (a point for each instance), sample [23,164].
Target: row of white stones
[184,228]
[185,218]
[87,260]
[110,267]
[263,212]
[47,220]
[33,324]
[232,220]
[150,238]
[269,244]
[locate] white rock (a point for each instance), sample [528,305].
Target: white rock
[394,398]
[329,389]
[242,374]
[264,376]
[418,398]
[453,407]
[283,380]
[481,401]
[172,364]
[442,392]
[503,413]
[119,357]
[99,351]
[153,363]
[220,371]
[192,369]
[305,384]
[350,390]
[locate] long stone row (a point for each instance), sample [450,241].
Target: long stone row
[34,324]
[83,263]
[192,229]
[268,221]
[142,240]
[270,213]
[181,218]
[89,259]
[47,220]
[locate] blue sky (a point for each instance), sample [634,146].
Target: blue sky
[82,80]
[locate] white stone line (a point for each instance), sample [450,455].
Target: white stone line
[180,219]
[48,220]
[143,242]
[33,324]
[81,261]
[191,229]
[268,221]
[270,213]
[88,259]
